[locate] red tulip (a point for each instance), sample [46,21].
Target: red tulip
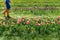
[28,22]
[38,24]
[19,21]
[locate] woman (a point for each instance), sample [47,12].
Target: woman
[6,12]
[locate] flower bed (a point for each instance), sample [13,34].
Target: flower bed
[22,26]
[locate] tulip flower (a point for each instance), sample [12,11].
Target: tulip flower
[38,24]
[28,22]
[19,21]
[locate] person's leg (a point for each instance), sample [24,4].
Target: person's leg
[8,8]
[6,14]
[5,11]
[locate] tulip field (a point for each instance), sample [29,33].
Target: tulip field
[31,28]
[31,20]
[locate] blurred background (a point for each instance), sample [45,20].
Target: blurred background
[35,8]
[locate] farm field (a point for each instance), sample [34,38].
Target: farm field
[31,20]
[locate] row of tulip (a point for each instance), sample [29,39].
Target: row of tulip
[23,25]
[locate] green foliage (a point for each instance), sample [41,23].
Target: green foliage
[22,26]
